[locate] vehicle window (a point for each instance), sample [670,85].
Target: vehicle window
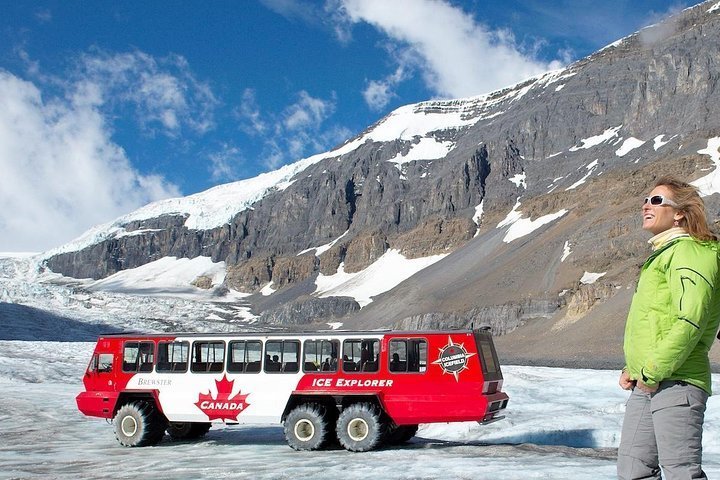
[173,357]
[138,356]
[101,363]
[360,355]
[244,356]
[282,356]
[407,355]
[105,361]
[93,365]
[208,356]
[486,350]
[320,355]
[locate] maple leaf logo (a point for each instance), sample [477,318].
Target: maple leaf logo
[223,406]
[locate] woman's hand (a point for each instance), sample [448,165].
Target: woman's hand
[626,383]
[644,388]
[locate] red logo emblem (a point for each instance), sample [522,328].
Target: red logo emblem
[453,358]
[223,407]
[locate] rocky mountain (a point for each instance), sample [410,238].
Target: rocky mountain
[526,200]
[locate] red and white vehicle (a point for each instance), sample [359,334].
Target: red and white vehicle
[366,388]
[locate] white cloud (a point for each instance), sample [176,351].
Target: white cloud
[458,57]
[249,114]
[61,172]
[294,9]
[307,112]
[298,131]
[43,15]
[223,164]
[301,126]
[273,155]
[379,92]
[164,91]
[658,26]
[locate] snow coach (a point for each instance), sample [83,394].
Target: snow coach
[364,388]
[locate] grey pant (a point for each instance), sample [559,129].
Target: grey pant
[663,430]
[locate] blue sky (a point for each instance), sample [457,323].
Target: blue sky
[106,106]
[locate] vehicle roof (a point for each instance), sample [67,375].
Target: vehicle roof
[323,333]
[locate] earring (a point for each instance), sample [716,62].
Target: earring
[676,223]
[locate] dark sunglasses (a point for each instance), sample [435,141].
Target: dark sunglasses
[658,200]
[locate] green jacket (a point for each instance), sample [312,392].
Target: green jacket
[675,314]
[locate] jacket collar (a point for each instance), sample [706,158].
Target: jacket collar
[662,238]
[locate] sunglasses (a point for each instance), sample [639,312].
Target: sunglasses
[658,200]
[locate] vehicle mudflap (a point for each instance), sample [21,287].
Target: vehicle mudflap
[490,420]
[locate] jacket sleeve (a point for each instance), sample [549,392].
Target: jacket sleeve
[691,275]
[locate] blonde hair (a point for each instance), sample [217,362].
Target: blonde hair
[692,207]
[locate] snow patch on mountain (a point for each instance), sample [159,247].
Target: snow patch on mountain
[593,141]
[591,277]
[412,121]
[629,145]
[566,251]
[519,227]
[268,290]
[425,149]
[543,80]
[424,118]
[385,273]
[477,217]
[591,168]
[710,183]
[658,141]
[519,180]
[323,248]
[168,276]
[511,217]
[525,226]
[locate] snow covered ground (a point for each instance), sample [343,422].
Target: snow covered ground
[560,424]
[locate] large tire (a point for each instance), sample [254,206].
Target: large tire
[306,427]
[360,427]
[401,434]
[187,430]
[139,424]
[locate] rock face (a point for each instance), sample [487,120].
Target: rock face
[309,311]
[500,318]
[584,143]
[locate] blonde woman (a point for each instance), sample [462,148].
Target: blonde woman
[672,323]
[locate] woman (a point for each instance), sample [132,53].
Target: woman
[670,328]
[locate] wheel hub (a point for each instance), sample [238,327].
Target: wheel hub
[128,426]
[358,429]
[304,430]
